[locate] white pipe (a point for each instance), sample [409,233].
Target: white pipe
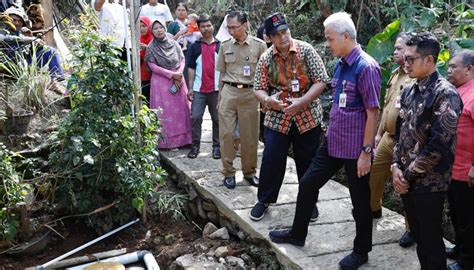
[43,266]
[133,257]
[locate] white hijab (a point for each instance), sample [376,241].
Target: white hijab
[223,33]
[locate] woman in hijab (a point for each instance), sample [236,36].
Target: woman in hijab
[145,38]
[168,89]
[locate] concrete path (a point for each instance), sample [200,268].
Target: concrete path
[330,238]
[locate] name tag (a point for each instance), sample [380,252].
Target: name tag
[246,71]
[295,86]
[398,103]
[342,100]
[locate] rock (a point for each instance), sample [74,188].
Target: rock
[241,235]
[247,259]
[193,209]
[175,251]
[209,206]
[201,211]
[185,260]
[213,217]
[208,229]
[234,261]
[221,252]
[222,260]
[224,222]
[201,248]
[170,239]
[158,240]
[211,253]
[222,233]
[147,235]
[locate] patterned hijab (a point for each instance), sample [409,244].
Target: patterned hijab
[166,52]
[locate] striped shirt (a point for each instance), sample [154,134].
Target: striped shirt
[358,76]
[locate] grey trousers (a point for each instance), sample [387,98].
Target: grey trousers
[200,100]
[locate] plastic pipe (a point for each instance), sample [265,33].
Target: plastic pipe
[133,257]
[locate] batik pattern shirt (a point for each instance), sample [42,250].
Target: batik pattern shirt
[426,134]
[275,73]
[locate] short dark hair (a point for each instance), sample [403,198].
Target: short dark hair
[203,18]
[240,15]
[182,4]
[467,57]
[426,44]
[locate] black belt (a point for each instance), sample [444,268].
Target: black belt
[239,85]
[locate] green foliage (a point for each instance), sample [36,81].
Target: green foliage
[12,192]
[103,155]
[169,203]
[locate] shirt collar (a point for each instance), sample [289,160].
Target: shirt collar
[247,40]
[292,48]
[352,56]
[468,86]
[428,81]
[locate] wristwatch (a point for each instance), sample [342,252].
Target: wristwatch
[393,166]
[367,149]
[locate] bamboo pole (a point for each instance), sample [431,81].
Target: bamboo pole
[48,22]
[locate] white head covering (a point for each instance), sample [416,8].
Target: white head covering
[223,33]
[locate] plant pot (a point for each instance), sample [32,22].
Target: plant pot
[17,123]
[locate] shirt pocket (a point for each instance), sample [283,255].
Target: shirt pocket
[229,57]
[351,93]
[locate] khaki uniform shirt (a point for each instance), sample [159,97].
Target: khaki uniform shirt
[399,81]
[233,57]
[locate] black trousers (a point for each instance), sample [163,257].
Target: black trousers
[322,168]
[425,214]
[461,209]
[275,154]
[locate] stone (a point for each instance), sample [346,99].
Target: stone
[201,211]
[221,252]
[208,229]
[222,260]
[185,260]
[176,251]
[158,240]
[234,261]
[147,235]
[211,253]
[209,206]
[193,210]
[247,259]
[170,239]
[222,233]
[241,235]
[201,248]
[213,217]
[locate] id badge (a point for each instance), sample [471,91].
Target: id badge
[295,86]
[247,71]
[342,100]
[398,103]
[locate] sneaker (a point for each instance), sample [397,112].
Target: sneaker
[229,182]
[377,214]
[284,237]
[353,261]
[455,266]
[258,211]
[216,153]
[315,214]
[406,240]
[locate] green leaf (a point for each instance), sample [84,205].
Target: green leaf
[138,203]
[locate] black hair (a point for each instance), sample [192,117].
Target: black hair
[240,15]
[426,44]
[467,57]
[182,4]
[203,18]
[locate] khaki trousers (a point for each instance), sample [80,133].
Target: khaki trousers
[238,104]
[380,172]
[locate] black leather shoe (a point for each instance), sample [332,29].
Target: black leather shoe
[377,213]
[253,180]
[406,240]
[216,153]
[194,152]
[284,237]
[452,253]
[258,211]
[315,214]
[353,261]
[229,182]
[455,266]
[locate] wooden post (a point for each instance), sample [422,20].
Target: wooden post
[48,22]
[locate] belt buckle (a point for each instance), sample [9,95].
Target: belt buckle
[240,86]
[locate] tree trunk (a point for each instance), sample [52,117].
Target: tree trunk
[48,22]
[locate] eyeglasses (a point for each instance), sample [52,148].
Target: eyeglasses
[231,28]
[410,59]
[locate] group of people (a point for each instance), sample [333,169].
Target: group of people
[413,142]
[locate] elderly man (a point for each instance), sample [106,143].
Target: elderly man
[424,148]
[384,139]
[289,79]
[349,143]
[461,188]
[236,63]
[204,82]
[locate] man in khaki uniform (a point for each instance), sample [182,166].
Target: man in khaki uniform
[236,63]
[384,142]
